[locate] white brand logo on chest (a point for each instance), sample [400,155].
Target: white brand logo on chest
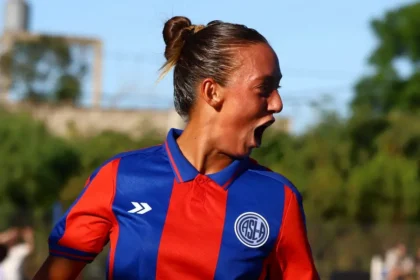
[140,208]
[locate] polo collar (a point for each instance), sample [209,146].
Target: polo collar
[184,171]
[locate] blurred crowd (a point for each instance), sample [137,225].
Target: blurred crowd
[16,244]
[396,264]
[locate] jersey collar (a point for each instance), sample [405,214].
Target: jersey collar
[184,171]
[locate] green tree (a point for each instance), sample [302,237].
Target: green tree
[95,150]
[45,70]
[384,130]
[399,40]
[34,165]
[385,189]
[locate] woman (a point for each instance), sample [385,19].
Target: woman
[19,242]
[3,254]
[417,263]
[196,207]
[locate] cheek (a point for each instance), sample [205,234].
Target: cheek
[239,114]
[244,106]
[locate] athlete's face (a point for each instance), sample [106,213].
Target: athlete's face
[251,98]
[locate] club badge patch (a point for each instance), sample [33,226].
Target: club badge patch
[252,229]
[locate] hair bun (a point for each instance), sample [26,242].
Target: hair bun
[173,29]
[175,32]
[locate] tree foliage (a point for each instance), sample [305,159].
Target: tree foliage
[34,165]
[387,89]
[356,175]
[94,151]
[47,69]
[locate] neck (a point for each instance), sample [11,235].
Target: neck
[197,146]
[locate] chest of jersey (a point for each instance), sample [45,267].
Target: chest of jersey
[195,229]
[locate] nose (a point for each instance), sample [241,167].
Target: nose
[275,104]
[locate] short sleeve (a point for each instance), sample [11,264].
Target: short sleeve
[293,252]
[84,229]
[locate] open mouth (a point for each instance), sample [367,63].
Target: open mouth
[259,131]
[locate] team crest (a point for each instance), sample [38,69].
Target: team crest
[252,229]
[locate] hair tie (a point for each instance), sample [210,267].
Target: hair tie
[195,28]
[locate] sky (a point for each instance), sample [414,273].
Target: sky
[323,46]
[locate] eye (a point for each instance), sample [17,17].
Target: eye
[266,89]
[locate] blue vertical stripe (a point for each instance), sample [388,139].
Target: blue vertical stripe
[249,193]
[139,235]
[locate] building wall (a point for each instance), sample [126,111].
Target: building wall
[64,120]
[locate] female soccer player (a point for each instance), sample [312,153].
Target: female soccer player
[197,206]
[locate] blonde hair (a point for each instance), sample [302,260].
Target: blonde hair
[176,52]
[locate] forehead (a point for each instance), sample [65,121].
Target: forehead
[254,61]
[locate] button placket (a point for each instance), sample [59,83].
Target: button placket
[199,189]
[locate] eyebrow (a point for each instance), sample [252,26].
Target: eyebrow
[269,77]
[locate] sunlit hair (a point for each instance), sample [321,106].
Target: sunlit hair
[176,52]
[197,52]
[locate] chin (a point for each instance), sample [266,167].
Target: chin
[243,153]
[241,156]
[238,151]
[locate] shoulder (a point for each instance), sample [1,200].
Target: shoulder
[291,193]
[268,176]
[138,156]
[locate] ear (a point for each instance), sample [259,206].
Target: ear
[211,93]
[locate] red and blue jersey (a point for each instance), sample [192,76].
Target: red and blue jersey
[165,220]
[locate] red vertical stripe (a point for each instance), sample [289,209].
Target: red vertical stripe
[192,234]
[293,250]
[265,270]
[114,239]
[173,162]
[271,268]
[89,221]
[291,258]
[115,230]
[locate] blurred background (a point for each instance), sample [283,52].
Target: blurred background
[78,85]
